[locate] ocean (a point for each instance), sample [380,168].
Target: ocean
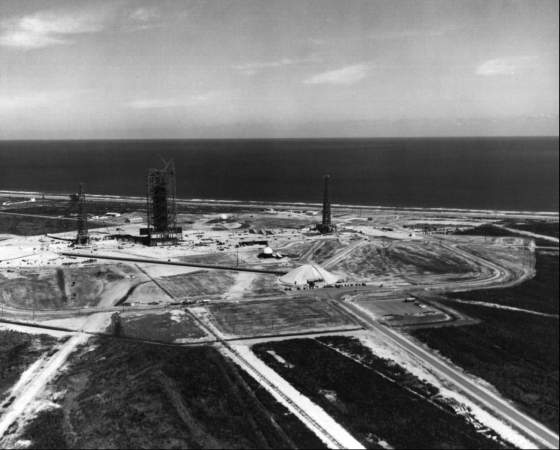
[474,173]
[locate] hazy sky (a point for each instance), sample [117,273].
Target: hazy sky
[264,68]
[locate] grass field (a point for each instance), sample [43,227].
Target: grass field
[204,282]
[277,316]
[515,351]
[124,395]
[165,327]
[17,352]
[372,398]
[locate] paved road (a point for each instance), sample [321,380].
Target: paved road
[174,263]
[537,432]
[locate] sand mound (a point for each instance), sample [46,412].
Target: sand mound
[309,273]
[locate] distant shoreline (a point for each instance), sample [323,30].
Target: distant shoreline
[471,174]
[284,205]
[265,138]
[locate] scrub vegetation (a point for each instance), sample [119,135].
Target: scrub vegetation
[375,400]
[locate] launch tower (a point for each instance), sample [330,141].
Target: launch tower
[82,237]
[161,208]
[326,225]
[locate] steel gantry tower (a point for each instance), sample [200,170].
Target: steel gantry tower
[82,237]
[326,225]
[161,207]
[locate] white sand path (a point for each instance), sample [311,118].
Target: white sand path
[315,418]
[508,308]
[530,234]
[34,380]
[382,348]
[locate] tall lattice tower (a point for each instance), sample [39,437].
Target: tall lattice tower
[161,207]
[82,237]
[326,225]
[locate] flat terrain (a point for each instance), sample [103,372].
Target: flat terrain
[215,258]
[204,282]
[397,312]
[277,316]
[379,403]
[144,396]
[174,326]
[514,351]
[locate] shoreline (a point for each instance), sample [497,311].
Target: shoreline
[283,205]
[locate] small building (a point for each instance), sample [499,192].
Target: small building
[267,252]
[251,242]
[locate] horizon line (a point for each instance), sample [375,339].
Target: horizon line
[523,136]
